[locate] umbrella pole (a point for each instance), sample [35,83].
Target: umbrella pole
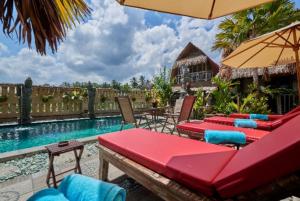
[298,72]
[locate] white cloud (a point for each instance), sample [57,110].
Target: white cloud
[115,43]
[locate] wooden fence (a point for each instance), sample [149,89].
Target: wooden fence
[9,101]
[53,102]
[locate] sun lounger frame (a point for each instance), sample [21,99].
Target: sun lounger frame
[169,190]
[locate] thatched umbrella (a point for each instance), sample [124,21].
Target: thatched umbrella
[46,20]
[272,49]
[204,9]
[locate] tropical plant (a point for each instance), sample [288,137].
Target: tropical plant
[223,95]
[47,21]
[199,106]
[162,87]
[254,22]
[133,99]
[148,96]
[103,98]
[142,82]
[252,103]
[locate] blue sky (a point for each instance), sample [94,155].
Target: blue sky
[115,43]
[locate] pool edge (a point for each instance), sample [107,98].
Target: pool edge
[6,156]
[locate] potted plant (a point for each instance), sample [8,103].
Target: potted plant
[46,98]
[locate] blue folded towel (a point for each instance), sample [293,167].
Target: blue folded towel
[245,123]
[221,137]
[259,116]
[50,194]
[81,188]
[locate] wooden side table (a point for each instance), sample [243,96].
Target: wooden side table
[55,150]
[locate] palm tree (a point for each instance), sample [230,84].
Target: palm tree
[142,82]
[134,83]
[46,20]
[254,22]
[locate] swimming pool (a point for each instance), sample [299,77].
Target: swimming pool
[20,137]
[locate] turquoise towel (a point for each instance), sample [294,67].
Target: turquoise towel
[259,116]
[81,188]
[245,123]
[222,137]
[50,194]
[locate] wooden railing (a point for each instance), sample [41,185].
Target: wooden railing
[50,102]
[56,101]
[9,102]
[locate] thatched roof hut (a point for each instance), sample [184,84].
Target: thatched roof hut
[201,67]
[192,55]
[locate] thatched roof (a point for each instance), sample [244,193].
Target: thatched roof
[239,73]
[192,55]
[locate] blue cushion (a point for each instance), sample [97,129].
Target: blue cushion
[81,188]
[219,137]
[245,123]
[50,194]
[259,116]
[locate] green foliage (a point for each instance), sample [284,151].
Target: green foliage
[46,98]
[134,83]
[252,103]
[148,96]
[3,99]
[254,22]
[126,88]
[103,98]
[199,105]
[223,95]
[133,99]
[75,95]
[162,86]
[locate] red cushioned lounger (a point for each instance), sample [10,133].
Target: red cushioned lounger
[262,125]
[210,170]
[271,117]
[197,128]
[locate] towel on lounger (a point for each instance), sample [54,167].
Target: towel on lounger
[222,137]
[49,194]
[82,188]
[245,123]
[259,116]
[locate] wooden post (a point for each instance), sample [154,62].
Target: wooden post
[103,167]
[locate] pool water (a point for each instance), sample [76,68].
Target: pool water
[20,137]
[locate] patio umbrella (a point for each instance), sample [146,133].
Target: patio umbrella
[278,47]
[204,9]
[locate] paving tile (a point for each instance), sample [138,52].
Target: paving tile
[25,197]
[20,188]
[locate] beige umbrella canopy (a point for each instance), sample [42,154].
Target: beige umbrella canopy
[204,9]
[275,48]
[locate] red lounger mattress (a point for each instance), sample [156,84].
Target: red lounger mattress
[263,125]
[200,127]
[187,161]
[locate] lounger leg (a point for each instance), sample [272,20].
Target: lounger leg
[103,168]
[165,124]
[147,122]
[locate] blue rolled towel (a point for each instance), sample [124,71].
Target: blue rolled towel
[221,137]
[50,194]
[245,123]
[259,116]
[81,188]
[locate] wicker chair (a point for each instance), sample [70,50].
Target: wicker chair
[127,113]
[183,114]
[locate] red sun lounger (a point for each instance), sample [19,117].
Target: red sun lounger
[196,129]
[271,117]
[210,171]
[262,125]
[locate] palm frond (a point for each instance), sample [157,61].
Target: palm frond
[46,20]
